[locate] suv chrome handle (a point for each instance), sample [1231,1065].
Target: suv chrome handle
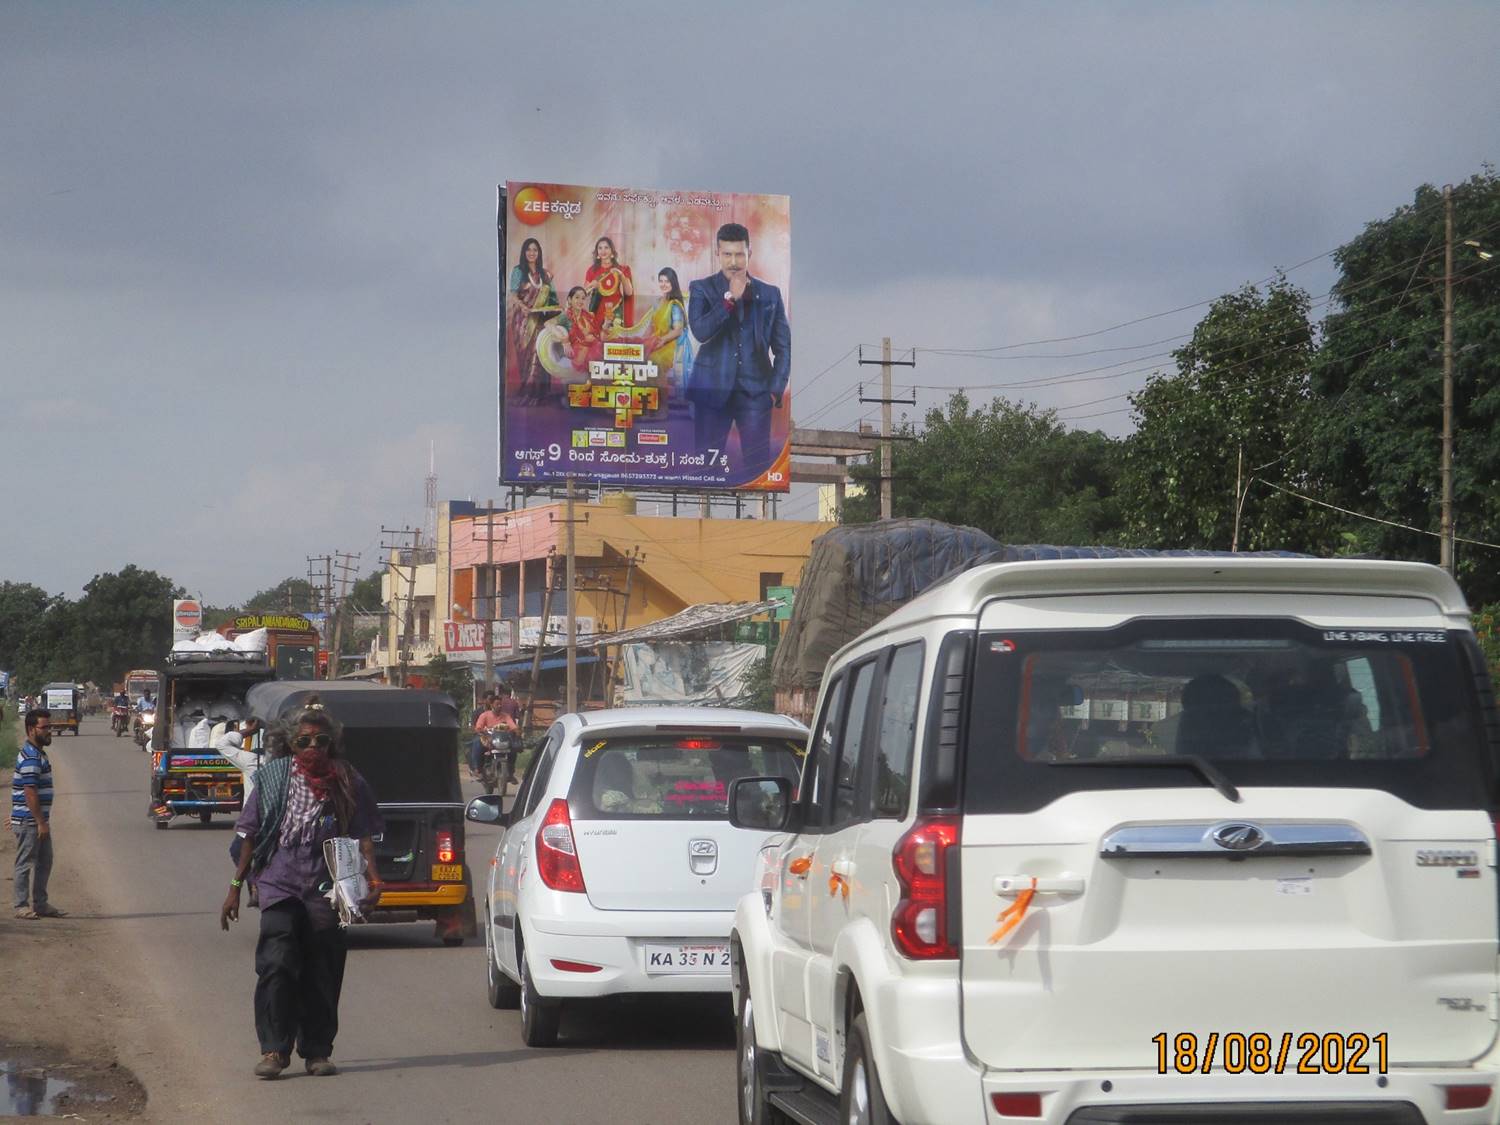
[1009,886]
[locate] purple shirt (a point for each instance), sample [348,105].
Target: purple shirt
[299,871]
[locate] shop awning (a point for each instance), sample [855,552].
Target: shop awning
[694,619]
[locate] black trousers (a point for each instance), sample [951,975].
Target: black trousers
[300,973]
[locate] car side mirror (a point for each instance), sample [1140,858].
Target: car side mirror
[761,803]
[487,810]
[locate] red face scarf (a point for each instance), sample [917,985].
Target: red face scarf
[315,765]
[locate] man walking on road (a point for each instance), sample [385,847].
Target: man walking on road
[30,819]
[300,801]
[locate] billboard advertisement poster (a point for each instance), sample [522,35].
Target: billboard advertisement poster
[645,337]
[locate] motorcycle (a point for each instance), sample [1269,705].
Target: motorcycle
[119,719]
[497,762]
[143,724]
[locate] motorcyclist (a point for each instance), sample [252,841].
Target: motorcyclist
[122,699]
[146,704]
[496,723]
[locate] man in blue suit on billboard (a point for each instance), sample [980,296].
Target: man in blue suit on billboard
[744,357]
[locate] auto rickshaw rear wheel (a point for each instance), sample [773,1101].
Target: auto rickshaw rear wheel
[205,816]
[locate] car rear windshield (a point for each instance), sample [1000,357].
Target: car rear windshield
[1263,702]
[673,777]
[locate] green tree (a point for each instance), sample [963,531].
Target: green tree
[1380,370]
[290,594]
[21,609]
[1011,470]
[442,674]
[364,595]
[1239,406]
[123,621]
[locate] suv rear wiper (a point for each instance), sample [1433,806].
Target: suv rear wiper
[1201,766]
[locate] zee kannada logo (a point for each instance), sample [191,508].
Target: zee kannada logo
[532,205]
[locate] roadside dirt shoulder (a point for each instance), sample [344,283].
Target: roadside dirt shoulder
[62,1016]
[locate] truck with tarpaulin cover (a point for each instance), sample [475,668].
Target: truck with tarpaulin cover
[291,642]
[202,695]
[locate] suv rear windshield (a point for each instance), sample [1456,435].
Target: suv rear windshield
[673,777]
[1264,702]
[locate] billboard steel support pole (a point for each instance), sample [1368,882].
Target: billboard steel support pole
[572,607]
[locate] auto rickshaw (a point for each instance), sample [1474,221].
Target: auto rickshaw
[65,702]
[405,745]
[199,691]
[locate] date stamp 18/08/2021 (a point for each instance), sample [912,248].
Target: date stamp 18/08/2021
[1238,1052]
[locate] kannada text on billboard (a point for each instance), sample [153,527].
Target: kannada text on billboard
[645,337]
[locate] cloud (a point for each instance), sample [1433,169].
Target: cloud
[247,262]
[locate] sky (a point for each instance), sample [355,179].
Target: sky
[247,253]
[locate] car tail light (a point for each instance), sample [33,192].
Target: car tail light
[1017,1105]
[1466,1097]
[574,966]
[919,924]
[556,855]
[445,850]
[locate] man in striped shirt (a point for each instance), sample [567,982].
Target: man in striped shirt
[30,819]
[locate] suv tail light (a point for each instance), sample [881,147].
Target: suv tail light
[919,923]
[445,850]
[556,855]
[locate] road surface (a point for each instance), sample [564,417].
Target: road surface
[417,1040]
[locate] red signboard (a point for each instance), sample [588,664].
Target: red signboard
[187,614]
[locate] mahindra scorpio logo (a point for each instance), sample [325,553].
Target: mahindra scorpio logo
[1239,837]
[703,856]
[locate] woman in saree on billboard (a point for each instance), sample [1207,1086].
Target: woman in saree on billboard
[694,394]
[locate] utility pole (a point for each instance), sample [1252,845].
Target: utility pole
[415,535]
[320,580]
[1446,550]
[489,602]
[541,640]
[632,560]
[571,553]
[885,400]
[346,565]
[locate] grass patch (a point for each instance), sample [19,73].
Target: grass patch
[10,739]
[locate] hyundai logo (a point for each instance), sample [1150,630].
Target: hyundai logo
[703,856]
[1238,837]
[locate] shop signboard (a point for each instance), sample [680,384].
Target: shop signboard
[645,337]
[557,630]
[463,638]
[187,619]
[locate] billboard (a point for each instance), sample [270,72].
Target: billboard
[645,337]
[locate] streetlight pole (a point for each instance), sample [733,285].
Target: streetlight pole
[1446,550]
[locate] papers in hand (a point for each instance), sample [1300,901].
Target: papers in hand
[346,867]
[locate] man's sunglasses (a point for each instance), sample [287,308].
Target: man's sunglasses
[321,741]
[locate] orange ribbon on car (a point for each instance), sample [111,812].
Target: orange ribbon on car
[1011,916]
[836,883]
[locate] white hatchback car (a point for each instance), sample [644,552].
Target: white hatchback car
[619,871]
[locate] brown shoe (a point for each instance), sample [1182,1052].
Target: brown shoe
[321,1068]
[271,1064]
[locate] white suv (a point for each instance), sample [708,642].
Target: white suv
[1201,839]
[619,871]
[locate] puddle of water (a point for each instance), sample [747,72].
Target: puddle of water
[29,1092]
